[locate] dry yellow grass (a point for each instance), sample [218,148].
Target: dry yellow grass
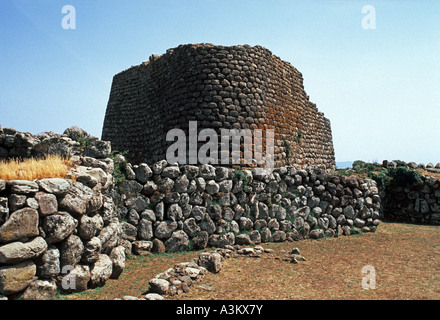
[30,169]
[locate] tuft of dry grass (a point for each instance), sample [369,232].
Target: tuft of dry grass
[29,169]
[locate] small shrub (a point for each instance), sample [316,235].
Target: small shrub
[288,149]
[403,175]
[240,175]
[298,137]
[119,166]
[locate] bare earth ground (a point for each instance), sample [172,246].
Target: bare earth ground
[406,259]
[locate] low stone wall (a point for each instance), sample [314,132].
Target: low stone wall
[417,202]
[74,141]
[173,208]
[57,233]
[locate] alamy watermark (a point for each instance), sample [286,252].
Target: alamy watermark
[69,19]
[68,281]
[369,19]
[369,279]
[209,153]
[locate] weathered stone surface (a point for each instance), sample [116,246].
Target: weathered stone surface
[129,231]
[47,203]
[159,286]
[90,226]
[243,239]
[279,236]
[165,229]
[153,296]
[58,227]
[101,271]
[145,230]
[266,234]
[316,234]
[200,240]
[17,277]
[91,250]
[71,250]
[77,199]
[158,246]
[16,252]
[191,227]
[21,224]
[40,290]
[56,186]
[118,259]
[98,149]
[4,210]
[131,187]
[143,173]
[48,264]
[349,212]
[16,201]
[227,239]
[142,247]
[177,242]
[22,186]
[211,261]
[110,237]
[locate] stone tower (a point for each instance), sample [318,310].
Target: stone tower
[240,87]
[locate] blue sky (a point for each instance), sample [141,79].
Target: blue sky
[380,87]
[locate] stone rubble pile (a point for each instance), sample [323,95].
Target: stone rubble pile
[179,279]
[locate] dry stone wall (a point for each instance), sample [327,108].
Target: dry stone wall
[415,200]
[172,208]
[237,87]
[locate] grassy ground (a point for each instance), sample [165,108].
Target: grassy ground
[406,259]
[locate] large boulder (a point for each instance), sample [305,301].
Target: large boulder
[17,277]
[16,252]
[178,242]
[40,290]
[110,237]
[47,203]
[92,249]
[58,227]
[22,186]
[56,186]
[212,261]
[118,259]
[101,271]
[71,250]
[90,226]
[75,279]
[21,224]
[220,241]
[165,229]
[48,264]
